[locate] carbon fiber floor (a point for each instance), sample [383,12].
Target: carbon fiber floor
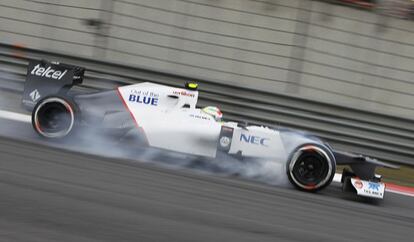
[48,194]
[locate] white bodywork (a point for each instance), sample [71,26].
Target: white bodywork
[170,120]
[368,188]
[254,141]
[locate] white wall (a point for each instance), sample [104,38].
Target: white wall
[331,53]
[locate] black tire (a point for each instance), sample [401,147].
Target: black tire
[311,167]
[55,117]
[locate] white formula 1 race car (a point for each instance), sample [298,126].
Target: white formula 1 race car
[167,118]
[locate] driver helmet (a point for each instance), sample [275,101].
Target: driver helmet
[213,112]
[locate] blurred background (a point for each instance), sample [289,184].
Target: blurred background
[341,69]
[350,52]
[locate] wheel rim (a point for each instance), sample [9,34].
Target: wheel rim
[310,168]
[54,118]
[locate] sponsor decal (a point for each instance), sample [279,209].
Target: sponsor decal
[227,129]
[358,184]
[255,140]
[144,97]
[48,72]
[373,186]
[199,117]
[368,189]
[225,142]
[184,93]
[35,95]
[374,189]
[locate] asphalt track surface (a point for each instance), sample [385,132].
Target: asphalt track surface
[52,194]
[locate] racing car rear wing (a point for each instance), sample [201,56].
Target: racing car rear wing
[45,78]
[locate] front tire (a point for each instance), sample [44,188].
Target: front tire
[311,167]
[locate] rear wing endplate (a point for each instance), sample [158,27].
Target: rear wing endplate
[46,78]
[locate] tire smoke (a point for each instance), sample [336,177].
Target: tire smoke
[272,172]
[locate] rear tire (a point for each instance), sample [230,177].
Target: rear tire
[55,117]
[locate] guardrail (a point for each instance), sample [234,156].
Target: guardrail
[385,137]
